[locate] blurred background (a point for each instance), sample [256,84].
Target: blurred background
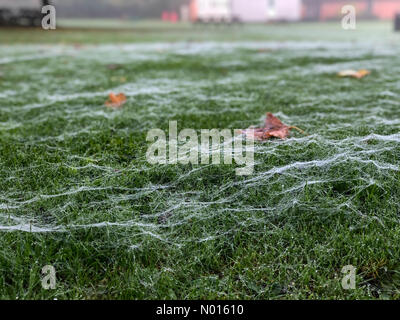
[195,20]
[207,11]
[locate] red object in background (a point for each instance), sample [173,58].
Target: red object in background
[193,10]
[173,17]
[332,10]
[170,16]
[386,9]
[165,16]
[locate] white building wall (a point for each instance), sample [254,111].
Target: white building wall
[213,10]
[249,10]
[286,10]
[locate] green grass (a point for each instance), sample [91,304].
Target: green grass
[114,226]
[128,31]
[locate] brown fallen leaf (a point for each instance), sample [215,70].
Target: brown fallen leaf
[114,66]
[115,101]
[273,128]
[354,74]
[78,46]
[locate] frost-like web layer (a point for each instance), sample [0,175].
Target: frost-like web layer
[352,146]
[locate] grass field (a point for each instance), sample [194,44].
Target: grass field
[76,191]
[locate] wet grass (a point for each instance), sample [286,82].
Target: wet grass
[81,31]
[77,193]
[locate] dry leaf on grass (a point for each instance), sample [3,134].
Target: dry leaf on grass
[354,74]
[78,46]
[114,66]
[115,101]
[273,128]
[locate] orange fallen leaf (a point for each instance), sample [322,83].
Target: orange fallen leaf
[115,101]
[354,74]
[78,46]
[273,128]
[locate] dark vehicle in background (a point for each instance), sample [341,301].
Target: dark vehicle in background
[25,13]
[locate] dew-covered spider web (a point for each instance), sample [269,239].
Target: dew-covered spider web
[68,163]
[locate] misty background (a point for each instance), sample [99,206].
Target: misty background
[115,8]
